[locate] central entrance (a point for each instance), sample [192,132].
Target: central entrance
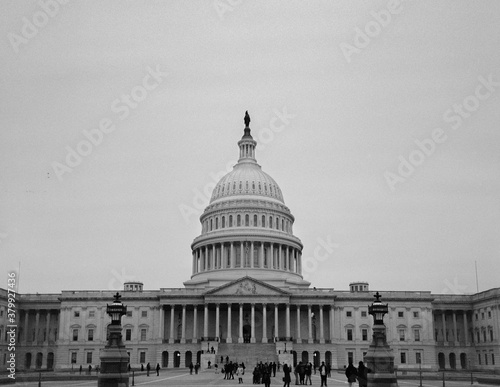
[247,333]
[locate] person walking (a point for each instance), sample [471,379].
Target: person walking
[363,374]
[191,366]
[308,372]
[240,371]
[157,369]
[266,376]
[323,373]
[286,378]
[148,368]
[351,372]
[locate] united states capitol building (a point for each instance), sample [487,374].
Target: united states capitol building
[247,299]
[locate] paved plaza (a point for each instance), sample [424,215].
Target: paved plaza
[209,378]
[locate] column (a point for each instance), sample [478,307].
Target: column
[202,260]
[261,255]
[264,323]
[242,255]
[222,257]
[229,334]
[161,334]
[299,340]
[466,328]
[172,315]
[309,324]
[37,321]
[280,259]
[47,327]
[287,320]
[300,262]
[195,324]
[251,254]
[194,262]
[217,315]
[321,327]
[332,323]
[183,330]
[443,319]
[233,258]
[240,330]
[276,332]
[205,322]
[252,324]
[455,333]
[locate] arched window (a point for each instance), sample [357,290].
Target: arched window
[270,222]
[238,220]
[263,221]
[223,222]
[282,224]
[277,224]
[255,220]
[247,220]
[211,224]
[216,223]
[230,220]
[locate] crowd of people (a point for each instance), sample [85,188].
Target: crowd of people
[360,374]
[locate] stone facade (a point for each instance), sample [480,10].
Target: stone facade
[247,298]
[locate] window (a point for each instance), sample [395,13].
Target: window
[144,313]
[75,334]
[89,357]
[478,337]
[129,313]
[348,313]
[76,313]
[142,357]
[489,314]
[73,357]
[482,315]
[401,314]
[350,357]
[270,222]
[247,220]
[418,358]
[238,221]
[479,358]
[485,359]
[223,222]
[255,220]
[91,313]
[416,334]
[128,334]
[401,335]
[491,335]
[143,334]
[263,221]
[364,334]
[477,317]
[349,334]
[363,313]
[492,359]
[216,223]
[90,335]
[230,220]
[403,357]
[416,315]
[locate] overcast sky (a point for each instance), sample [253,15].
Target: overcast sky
[379,121]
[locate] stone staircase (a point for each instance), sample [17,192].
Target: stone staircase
[248,353]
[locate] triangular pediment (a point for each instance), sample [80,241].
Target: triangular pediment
[246,286]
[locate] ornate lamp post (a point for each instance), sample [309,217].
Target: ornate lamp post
[379,358]
[114,357]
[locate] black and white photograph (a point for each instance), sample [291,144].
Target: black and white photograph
[220,192]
